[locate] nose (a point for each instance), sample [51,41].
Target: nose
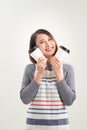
[47,43]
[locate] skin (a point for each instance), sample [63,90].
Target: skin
[48,47]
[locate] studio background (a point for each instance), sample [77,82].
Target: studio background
[67,21]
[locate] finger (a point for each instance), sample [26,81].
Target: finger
[56,63]
[57,59]
[42,59]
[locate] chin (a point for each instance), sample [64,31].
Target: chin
[48,56]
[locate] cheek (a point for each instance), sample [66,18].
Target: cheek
[42,49]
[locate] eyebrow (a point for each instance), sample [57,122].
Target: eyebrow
[44,39]
[41,40]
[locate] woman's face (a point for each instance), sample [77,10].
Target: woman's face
[46,44]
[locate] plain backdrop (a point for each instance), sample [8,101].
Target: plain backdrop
[67,21]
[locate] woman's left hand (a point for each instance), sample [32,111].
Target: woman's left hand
[57,66]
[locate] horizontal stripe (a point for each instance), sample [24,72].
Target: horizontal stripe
[51,87]
[48,94]
[47,122]
[46,109]
[39,116]
[49,81]
[48,90]
[47,104]
[46,127]
[46,100]
[47,113]
[47,77]
[47,97]
[48,74]
[50,78]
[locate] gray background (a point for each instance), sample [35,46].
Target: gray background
[67,21]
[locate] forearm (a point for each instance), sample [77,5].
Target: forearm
[28,93]
[66,93]
[30,84]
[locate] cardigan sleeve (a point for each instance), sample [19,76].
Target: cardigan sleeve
[66,87]
[29,87]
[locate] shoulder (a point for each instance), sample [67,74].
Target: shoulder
[68,67]
[30,68]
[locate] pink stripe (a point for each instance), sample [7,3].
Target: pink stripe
[47,104]
[46,101]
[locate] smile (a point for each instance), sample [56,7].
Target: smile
[49,49]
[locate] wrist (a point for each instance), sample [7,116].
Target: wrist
[38,77]
[59,77]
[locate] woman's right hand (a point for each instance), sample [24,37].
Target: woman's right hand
[41,65]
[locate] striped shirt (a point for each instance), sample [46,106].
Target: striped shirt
[47,111]
[47,101]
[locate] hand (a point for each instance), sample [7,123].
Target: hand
[57,66]
[41,65]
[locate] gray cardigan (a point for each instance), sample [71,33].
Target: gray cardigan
[66,87]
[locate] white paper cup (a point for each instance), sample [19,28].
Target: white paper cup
[62,53]
[35,53]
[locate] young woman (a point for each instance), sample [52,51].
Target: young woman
[48,86]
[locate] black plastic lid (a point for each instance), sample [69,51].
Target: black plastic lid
[32,49]
[65,49]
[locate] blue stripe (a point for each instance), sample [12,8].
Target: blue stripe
[48,78]
[50,81]
[51,96]
[47,113]
[47,122]
[44,88]
[46,109]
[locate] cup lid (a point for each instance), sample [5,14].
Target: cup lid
[65,49]
[32,49]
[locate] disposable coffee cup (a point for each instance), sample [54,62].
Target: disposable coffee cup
[35,53]
[62,53]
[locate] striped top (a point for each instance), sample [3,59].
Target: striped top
[46,110]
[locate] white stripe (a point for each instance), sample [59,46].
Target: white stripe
[48,87]
[50,90]
[49,73]
[38,116]
[48,83]
[47,98]
[48,103]
[48,94]
[38,127]
[48,107]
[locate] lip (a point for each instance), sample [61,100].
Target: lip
[49,49]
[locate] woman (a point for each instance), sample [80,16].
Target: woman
[48,86]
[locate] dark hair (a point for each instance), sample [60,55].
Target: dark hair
[33,40]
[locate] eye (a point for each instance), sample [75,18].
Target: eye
[49,39]
[41,42]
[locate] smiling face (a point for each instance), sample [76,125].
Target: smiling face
[46,44]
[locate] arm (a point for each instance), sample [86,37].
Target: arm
[31,82]
[66,87]
[29,86]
